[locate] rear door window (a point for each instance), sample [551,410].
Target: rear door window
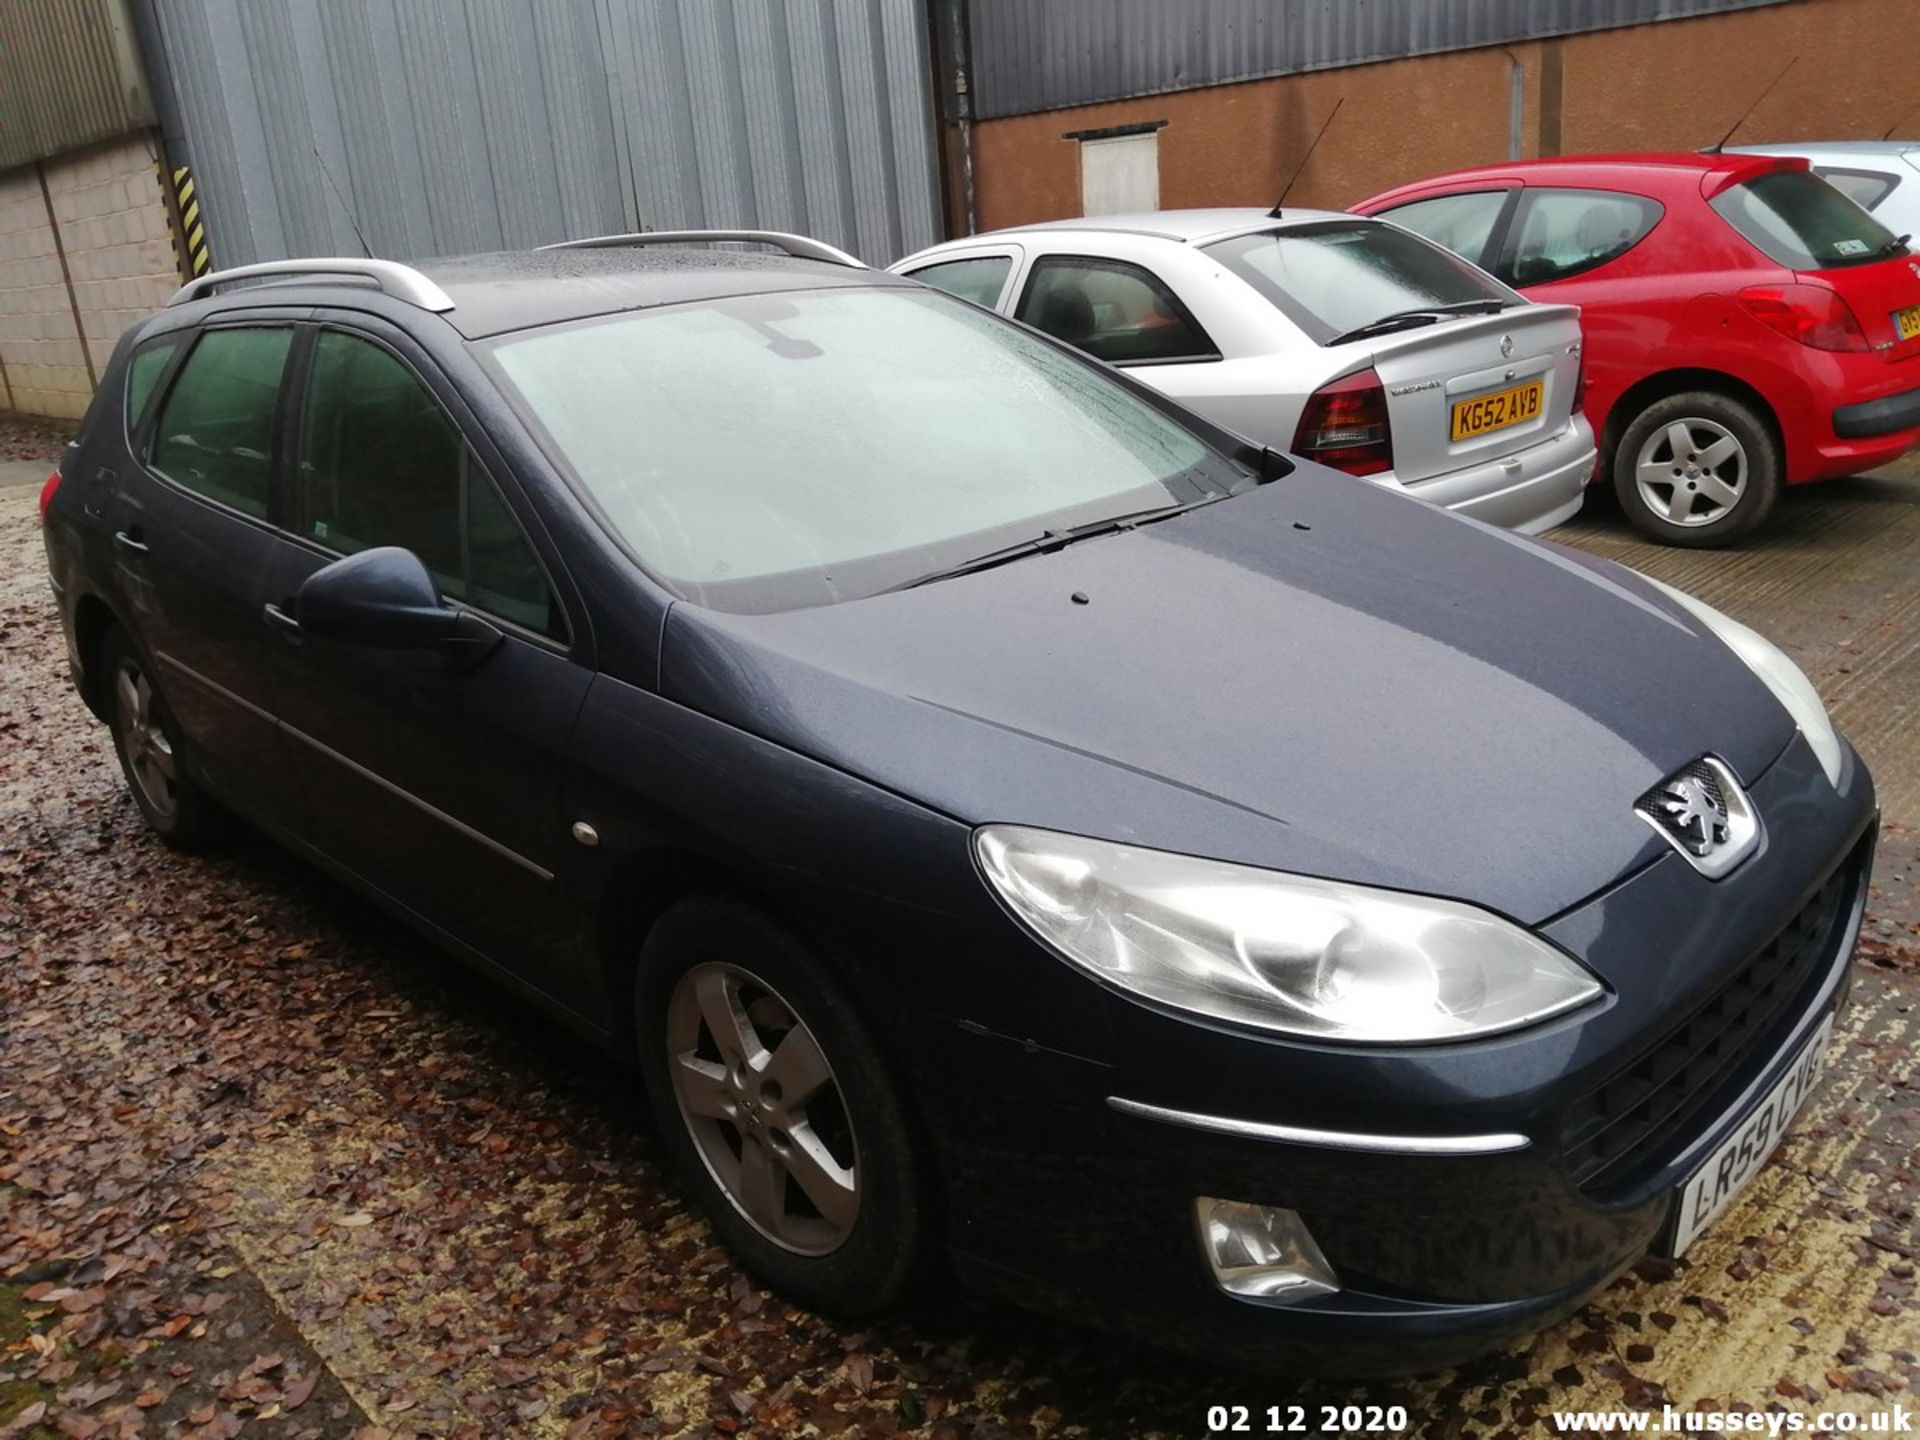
[1346,275]
[381,463]
[1463,224]
[1866,188]
[215,432]
[1796,219]
[979,278]
[1563,233]
[1117,311]
[149,363]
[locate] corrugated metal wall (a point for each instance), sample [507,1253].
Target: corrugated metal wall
[447,126]
[70,77]
[1031,56]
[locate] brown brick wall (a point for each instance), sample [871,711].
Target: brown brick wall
[1675,85]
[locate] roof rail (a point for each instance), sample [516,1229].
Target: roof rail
[403,282]
[799,246]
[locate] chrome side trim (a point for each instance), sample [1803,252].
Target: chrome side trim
[422,806]
[1501,1144]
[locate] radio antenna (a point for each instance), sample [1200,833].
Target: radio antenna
[1300,169]
[1901,121]
[334,186]
[1721,143]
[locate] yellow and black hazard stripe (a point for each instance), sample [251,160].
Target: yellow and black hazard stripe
[193,232]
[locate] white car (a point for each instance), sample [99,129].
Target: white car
[1880,176]
[1346,340]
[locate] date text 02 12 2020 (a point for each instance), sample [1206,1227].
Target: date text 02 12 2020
[1306,1419]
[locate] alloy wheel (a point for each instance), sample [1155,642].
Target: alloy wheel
[149,752]
[763,1107]
[1691,472]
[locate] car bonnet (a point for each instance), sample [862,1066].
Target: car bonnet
[1319,676]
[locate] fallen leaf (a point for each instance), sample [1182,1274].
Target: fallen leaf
[299,1391]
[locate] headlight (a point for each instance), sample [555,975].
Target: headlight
[1779,674]
[1279,952]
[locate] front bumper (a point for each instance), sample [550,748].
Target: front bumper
[1089,1208]
[1531,491]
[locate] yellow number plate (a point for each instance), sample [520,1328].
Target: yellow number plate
[1907,322]
[1486,413]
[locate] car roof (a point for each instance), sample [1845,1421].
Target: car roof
[1701,161]
[1186,226]
[517,289]
[1832,148]
[1665,169]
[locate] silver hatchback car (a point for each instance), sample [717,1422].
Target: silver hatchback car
[1344,339]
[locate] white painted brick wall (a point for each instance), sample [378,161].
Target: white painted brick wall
[112,215]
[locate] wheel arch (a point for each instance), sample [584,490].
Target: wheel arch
[1649,389]
[92,619]
[646,885]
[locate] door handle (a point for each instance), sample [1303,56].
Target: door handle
[279,620]
[130,541]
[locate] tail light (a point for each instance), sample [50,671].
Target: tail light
[46,494]
[1810,314]
[1345,426]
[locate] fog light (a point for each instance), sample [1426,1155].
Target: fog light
[1261,1251]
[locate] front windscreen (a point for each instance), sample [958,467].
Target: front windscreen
[767,452]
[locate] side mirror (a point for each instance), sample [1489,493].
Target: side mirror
[385,598]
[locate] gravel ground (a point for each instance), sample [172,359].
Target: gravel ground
[273,1167]
[26,438]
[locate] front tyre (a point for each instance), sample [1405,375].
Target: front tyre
[147,739]
[1697,469]
[784,1119]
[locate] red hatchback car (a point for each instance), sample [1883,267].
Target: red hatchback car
[1747,326]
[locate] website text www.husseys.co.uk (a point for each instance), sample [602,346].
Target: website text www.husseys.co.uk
[1896,1420]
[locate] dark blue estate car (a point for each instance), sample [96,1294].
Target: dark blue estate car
[1006,818]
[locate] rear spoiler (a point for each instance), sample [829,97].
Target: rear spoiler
[1717,182]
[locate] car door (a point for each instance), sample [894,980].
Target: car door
[1113,309]
[436,781]
[193,539]
[1585,247]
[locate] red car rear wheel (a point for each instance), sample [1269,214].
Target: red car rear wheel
[1697,469]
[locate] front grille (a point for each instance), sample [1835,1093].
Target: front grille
[1626,1125]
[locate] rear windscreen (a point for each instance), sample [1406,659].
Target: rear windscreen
[1799,220]
[1333,278]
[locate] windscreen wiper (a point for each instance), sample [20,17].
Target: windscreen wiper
[1051,540]
[1424,315]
